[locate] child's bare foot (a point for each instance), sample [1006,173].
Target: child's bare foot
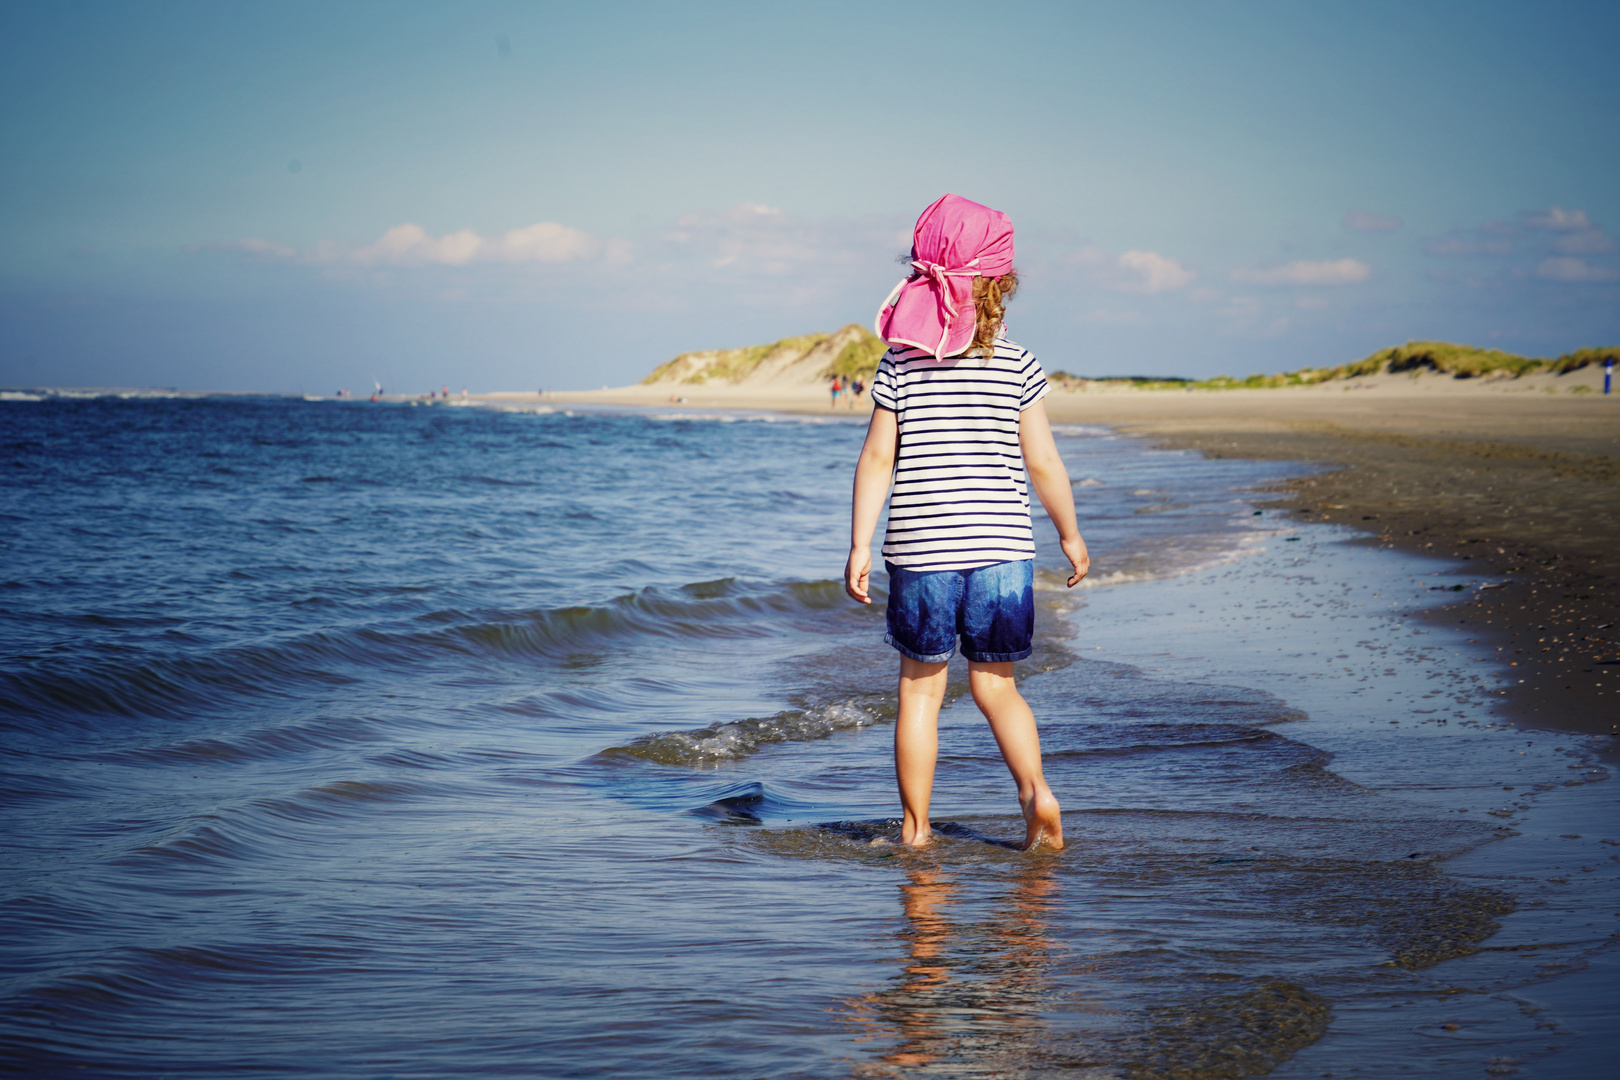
[1043,821]
[920,839]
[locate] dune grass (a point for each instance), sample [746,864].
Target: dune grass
[860,355]
[1574,361]
[731,365]
[1460,362]
[859,358]
[1415,357]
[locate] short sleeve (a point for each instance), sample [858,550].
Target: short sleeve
[1035,384]
[885,391]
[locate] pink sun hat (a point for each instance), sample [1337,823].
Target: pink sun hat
[955,241]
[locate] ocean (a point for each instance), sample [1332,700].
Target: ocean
[356,740]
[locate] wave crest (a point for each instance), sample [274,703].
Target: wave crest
[740,738]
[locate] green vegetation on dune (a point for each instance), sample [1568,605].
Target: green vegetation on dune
[1574,361]
[732,365]
[859,358]
[665,370]
[1414,358]
[1258,381]
[1459,361]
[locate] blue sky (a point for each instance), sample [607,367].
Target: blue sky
[305,196]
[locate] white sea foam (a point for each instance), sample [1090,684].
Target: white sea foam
[751,418]
[1167,561]
[741,738]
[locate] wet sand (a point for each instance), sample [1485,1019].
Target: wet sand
[1516,480]
[1523,492]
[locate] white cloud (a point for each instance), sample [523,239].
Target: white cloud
[1578,270]
[1586,242]
[1557,219]
[1546,244]
[1143,272]
[1361,221]
[411,245]
[1150,272]
[1302,272]
[760,255]
[544,241]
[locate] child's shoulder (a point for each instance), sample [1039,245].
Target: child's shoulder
[1006,346]
[1006,351]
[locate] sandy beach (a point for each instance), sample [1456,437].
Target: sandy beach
[1517,480]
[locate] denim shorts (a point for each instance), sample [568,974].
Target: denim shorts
[991,608]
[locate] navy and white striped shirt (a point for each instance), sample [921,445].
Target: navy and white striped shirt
[960,497]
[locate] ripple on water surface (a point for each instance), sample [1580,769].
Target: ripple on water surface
[347,741]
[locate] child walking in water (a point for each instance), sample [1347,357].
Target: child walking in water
[958,422]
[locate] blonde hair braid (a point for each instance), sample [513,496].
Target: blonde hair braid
[990,296]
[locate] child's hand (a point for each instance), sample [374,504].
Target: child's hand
[1075,550]
[857,572]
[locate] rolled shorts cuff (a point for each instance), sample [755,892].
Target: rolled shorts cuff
[936,658]
[998,657]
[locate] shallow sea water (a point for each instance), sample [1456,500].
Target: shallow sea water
[349,740]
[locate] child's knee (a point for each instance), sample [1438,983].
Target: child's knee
[991,691]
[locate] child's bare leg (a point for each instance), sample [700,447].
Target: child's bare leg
[1014,726]
[916,743]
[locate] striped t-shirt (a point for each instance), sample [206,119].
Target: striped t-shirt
[960,496]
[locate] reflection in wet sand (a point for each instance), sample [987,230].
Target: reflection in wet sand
[925,981]
[972,993]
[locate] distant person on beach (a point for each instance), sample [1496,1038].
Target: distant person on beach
[859,388]
[836,387]
[952,398]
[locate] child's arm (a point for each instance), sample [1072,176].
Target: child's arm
[1051,482]
[873,472]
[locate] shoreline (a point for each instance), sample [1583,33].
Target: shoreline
[1533,525]
[1516,481]
[1403,710]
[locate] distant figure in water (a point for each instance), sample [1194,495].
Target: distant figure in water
[951,396]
